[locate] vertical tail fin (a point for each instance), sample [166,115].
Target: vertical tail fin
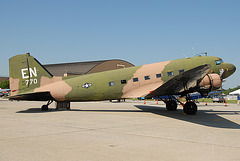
[25,73]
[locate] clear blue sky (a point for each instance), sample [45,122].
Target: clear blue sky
[139,31]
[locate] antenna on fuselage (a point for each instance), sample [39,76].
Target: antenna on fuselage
[185,55]
[202,53]
[193,50]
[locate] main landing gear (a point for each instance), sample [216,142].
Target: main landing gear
[171,105]
[45,107]
[189,108]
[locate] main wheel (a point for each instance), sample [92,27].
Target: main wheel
[190,108]
[171,105]
[44,107]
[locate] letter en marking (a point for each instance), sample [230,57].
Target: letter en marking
[33,72]
[24,76]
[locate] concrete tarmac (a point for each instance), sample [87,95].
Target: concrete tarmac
[104,131]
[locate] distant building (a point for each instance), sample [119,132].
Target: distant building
[234,95]
[237,92]
[3,79]
[81,68]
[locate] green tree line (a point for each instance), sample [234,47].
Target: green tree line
[4,84]
[229,90]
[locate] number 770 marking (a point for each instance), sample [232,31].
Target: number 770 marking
[31,81]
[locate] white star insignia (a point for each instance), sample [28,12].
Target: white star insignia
[87,85]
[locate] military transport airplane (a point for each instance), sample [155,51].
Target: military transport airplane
[29,80]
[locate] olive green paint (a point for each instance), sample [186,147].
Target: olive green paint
[100,89]
[189,63]
[25,61]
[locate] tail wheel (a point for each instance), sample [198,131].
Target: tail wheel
[171,105]
[190,108]
[44,107]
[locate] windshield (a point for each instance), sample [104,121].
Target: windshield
[218,62]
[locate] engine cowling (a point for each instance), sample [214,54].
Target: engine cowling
[211,82]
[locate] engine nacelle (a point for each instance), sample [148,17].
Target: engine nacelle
[211,82]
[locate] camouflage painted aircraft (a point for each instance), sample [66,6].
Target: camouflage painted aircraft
[29,80]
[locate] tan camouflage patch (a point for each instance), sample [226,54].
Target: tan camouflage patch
[144,87]
[56,86]
[14,85]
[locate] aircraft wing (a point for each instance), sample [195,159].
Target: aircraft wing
[186,81]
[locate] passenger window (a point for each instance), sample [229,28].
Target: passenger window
[135,79]
[111,84]
[147,77]
[159,75]
[181,71]
[170,73]
[123,81]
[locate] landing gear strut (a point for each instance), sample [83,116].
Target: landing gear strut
[45,107]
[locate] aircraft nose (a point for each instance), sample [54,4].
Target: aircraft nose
[230,69]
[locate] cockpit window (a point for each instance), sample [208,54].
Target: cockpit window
[218,62]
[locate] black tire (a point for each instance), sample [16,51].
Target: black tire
[44,107]
[190,108]
[171,105]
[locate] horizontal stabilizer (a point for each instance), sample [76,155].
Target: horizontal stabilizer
[38,96]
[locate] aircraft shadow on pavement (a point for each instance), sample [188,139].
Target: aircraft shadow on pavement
[37,110]
[209,118]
